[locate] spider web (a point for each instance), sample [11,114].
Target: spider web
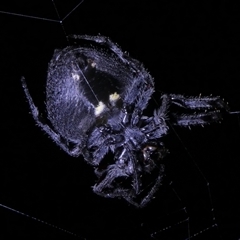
[47,194]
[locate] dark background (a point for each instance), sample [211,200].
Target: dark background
[189,48]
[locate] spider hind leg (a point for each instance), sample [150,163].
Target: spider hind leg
[75,151]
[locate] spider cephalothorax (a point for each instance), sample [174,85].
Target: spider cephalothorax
[96,95]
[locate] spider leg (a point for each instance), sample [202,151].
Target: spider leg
[105,41]
[109,186]
[156,126]
[107,189]
[198,102]
[207,109]
[113,172]
[187,120]
[150,194]
[75,151]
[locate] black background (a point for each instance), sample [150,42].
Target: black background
[189,48]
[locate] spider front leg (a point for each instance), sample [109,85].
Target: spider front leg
[108,188]
[75,151]
[196,119]
[203,103]
[206,110]
[150,194]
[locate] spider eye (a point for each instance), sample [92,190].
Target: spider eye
[151,155]
[150,152]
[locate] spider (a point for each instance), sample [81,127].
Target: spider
[95,98]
